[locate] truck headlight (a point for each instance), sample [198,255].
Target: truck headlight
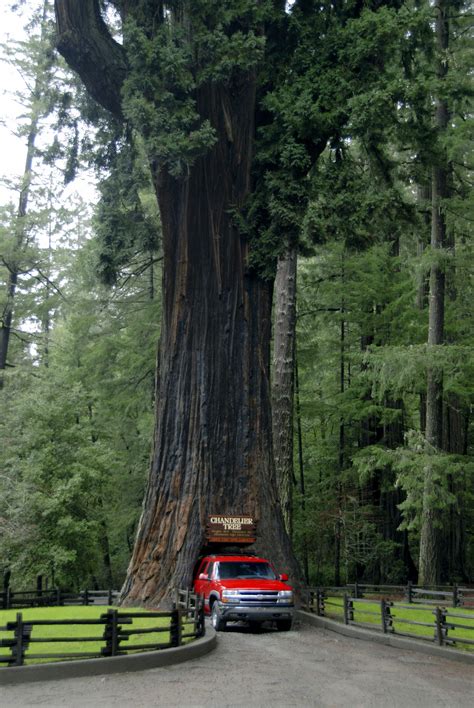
[285,596]
[230,595]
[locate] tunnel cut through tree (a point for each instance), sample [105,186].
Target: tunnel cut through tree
[212,440]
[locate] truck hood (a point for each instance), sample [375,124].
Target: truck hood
[254,584]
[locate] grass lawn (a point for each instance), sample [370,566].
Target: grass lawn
[368,613]
[78,632]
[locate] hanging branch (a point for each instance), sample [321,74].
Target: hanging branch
[88,47]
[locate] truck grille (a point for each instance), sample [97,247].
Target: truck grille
[258,597]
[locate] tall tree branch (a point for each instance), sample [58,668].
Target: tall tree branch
[88,47]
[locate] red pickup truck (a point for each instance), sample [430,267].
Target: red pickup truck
[243,587]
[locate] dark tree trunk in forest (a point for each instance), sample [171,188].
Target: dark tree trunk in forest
[430,561]
[454,541]
[424,203]
[283,380]
[301,466]
[212,443]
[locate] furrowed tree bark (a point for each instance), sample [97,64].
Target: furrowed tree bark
[213,449]
[430,561]
[212,444]
[283,382]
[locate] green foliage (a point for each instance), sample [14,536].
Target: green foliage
[126,222]
[197,44]
[48,484]
[77,434]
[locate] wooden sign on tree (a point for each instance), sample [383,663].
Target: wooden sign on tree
[230,529]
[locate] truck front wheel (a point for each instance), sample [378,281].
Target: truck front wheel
[217,622]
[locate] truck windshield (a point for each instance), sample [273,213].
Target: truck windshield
[238,569]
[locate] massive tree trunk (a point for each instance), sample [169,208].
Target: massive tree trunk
[213,448]
[430,561]
[212,445]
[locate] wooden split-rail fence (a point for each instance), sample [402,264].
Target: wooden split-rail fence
[445,624]
[185,622]
[453,595]
[10,600]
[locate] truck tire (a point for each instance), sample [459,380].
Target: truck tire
[284,625]
[217,622]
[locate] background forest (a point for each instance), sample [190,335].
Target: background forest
[374,285]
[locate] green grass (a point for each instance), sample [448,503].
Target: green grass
[414,613]
[94,632]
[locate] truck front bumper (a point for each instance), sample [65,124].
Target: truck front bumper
[246,613]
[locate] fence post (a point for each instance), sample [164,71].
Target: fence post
[58,597]
[382,613]
[176,599]
[109,597]
[175,628]
[439,619]
[86,597]
[348,609]
[22,635]
[199,613]
[356,589]
[321,603]
[17,648]
[455,596]
[111,634]
[409,592]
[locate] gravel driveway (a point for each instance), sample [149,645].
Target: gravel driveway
[304,667]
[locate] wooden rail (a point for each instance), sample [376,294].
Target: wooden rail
[185,622]
[457,596]
[445,624]
[10,600]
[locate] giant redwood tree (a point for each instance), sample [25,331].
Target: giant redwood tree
[185,79]
[233,100]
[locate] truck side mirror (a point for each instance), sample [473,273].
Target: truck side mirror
[203,576]
[284,577]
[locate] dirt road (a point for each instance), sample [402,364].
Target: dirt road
[306,667]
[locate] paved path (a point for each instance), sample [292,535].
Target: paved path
[306,667]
